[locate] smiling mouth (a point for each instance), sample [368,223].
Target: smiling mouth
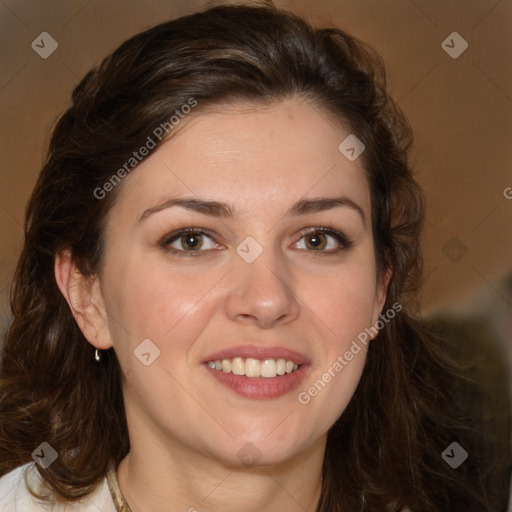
[255,368]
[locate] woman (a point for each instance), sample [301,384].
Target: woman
[215,305]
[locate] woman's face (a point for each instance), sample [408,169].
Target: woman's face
[278,264]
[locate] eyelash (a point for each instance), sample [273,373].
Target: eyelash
[344,242]
[337,235]
[169,239]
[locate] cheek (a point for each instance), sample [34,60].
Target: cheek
[155,302]
[342,306]
[344,301]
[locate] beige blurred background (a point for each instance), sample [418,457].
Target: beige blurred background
[460,109]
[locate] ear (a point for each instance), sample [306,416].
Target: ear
[84,297]
[381,293]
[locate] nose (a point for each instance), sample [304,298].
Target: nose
[261,292]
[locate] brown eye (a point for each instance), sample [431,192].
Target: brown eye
[322,240]
[191,241]
[315,241]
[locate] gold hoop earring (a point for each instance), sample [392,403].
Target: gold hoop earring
[97,355]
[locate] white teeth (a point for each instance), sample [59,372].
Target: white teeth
[250,367]
[237,366]
[268,368]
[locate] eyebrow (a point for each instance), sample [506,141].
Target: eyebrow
[225,210]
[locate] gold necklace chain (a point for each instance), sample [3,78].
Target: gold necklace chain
[115,491]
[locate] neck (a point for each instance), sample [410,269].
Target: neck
[168,480]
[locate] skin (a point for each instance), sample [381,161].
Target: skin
[186,428]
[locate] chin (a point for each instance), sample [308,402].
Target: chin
[259,451]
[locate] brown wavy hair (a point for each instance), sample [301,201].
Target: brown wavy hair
[383,453]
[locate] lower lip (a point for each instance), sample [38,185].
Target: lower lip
[260,388]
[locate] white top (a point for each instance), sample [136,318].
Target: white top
[15,497]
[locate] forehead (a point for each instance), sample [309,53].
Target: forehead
[250,156]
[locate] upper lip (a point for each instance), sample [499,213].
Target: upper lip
[258,352]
